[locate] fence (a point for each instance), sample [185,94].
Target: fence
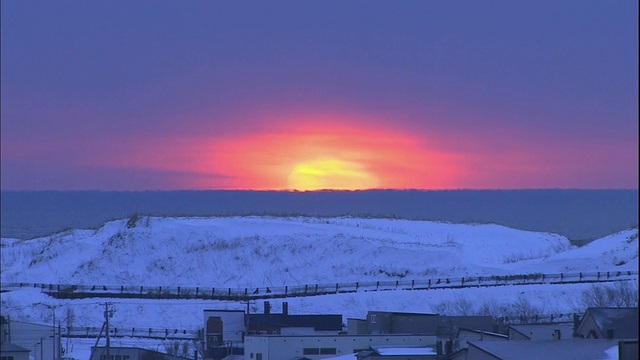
[266,292]
[147,333]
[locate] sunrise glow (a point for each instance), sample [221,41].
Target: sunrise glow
[329,173]
[321,152]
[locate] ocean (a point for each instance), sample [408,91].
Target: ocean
[580,215]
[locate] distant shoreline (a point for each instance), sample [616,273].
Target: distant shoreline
[580,215]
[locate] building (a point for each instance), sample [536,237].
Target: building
[130,353]
[36,338]
[226,330]
[4,330]
[446,327]
[279,347]
[467,335]
[628,350]
[541,332]
[398,353]
[10,351]
[575,349]
[609,323]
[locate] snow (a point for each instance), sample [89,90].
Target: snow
[612,353]
[265,251]
[343,357]
[405,350]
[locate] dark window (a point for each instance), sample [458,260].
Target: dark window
[311,351]
[258,356]
[7,358]
[328,351]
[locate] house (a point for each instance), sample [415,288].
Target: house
[562,331]
[398,353]
[609,323]
[130,353]
[35,338]
[226,330]
[10,351]
[574,349]
[465,336]
[279,347]
[230,326]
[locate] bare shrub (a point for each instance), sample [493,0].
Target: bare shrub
[524,310]
[172,347]
[463,306]
[493,308]
[620,294]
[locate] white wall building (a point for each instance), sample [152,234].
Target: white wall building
[35,337]
[278,347]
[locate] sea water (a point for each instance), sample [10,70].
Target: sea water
[580,215]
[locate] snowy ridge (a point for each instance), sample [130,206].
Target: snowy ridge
[255,251]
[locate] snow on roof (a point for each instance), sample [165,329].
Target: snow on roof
[404,350]
[489,333]
[623,321]
[544,331]
[343,357]
[580,349]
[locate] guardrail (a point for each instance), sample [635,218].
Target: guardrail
[65,291]
[146,333]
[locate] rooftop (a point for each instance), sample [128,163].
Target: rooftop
[575,349]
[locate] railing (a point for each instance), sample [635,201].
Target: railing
[268,292]
[147,333]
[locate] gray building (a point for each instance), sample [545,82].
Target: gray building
[279,347]
[130,353]
[37,338]
[609,323]
[465,336]
[575,349]
[445,327]
[10,351]
[541,332]
[398,353]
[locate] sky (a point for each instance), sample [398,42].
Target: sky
[306,95]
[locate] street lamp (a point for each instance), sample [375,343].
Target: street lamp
[55,357]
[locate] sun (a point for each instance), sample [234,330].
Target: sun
[331,173]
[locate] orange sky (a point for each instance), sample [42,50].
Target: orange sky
[317,154]
[350,152]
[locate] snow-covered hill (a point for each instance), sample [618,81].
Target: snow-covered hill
[265,251]
[255,251]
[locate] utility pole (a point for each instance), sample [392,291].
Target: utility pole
[55,339]
[108,314]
